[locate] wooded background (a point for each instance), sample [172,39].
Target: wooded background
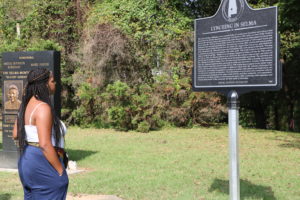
[126,64]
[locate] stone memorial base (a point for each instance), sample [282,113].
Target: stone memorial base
[9,159]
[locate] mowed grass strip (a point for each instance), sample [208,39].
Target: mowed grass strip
[178,164]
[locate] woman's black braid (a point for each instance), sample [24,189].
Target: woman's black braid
[37,86]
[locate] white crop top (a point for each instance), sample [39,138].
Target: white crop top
[32,134]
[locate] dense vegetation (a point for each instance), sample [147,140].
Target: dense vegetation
[127,64]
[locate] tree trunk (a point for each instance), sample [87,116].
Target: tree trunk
[276,117]
[290,120]
[78,9]
[260,117]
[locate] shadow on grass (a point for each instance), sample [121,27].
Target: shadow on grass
[5,196]
[287,142]
[247,189]
[0,145]
[291,145]
[79,154]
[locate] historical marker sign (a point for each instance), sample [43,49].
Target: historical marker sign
[15,68]
[237,48]
[236,51]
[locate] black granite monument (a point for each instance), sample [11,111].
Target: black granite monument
[15,68]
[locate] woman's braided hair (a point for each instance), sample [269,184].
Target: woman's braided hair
[37,86]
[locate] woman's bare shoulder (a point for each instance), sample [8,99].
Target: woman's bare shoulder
[42,109]
[43,106]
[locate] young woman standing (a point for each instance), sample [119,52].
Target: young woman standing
[40,135]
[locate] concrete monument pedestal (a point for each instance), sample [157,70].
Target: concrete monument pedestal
[9,159]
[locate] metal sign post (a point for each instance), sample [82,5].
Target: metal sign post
[233,121]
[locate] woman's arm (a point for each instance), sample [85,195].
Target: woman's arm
[15,134]
[44,122]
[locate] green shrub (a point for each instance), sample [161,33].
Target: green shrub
[143,127]
[44,45]
[246,118]
[117,105]
[132,108]
[88,111]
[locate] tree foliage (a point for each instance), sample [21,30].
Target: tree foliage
[279,110]
[127,64]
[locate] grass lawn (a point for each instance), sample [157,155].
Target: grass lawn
[178,164]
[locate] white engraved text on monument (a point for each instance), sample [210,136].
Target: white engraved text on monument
[236,58]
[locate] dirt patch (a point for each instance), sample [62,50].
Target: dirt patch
[92,197]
